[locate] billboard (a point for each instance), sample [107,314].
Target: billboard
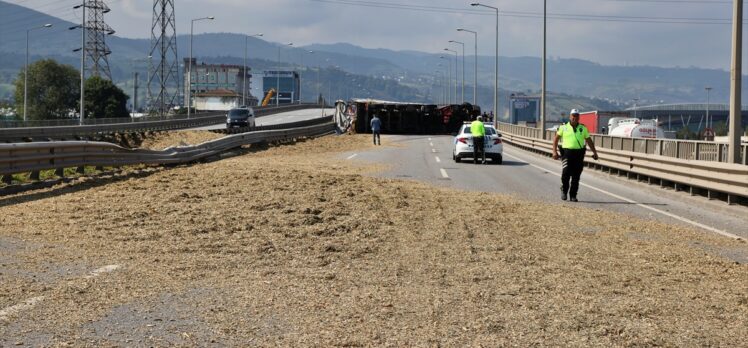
[524,109]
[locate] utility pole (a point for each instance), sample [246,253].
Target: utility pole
[96,47]
[708,124]
[163,61]
[736,126]
[135,93]
[543,73]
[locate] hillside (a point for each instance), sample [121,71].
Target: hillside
[410,73]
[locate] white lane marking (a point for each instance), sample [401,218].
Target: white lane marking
[438,160]
[433,150]
[444,173]
[102,270]
[432,144]
[32,302]
[26,305]
[352,156]
[680,218]
[429,139]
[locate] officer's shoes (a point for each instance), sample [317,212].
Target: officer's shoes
[563,196]
[573,199]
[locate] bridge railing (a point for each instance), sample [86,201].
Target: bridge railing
[695,165]
[34,157]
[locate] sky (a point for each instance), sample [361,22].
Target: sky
[665,33]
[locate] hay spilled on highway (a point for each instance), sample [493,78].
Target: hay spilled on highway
[292,246]
[164,140]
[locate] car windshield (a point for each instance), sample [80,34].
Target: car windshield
[239,113]
[489,130]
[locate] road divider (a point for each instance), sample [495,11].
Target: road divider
[34,157]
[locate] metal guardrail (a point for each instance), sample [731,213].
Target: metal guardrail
[305,123]
[691,165]
[161,124]
[34,157]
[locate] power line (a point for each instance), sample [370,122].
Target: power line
[560,16]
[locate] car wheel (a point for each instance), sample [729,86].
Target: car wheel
[498,159]
[456,158]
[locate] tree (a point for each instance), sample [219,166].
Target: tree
[53,91]
[687,134]
[720,129]
[104,99]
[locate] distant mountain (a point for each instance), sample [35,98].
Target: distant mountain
[413,72]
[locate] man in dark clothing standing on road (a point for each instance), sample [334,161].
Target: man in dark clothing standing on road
[376,128]
[574,136]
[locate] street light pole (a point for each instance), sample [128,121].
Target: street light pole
[496,69]
[244,82]
[277,77]
[475,76]
[543,73]
[26,71]
[83,60]
[455,80]
[301,66]
[708,89]
[449,82]
[463,69]
[189,69]
[736,127]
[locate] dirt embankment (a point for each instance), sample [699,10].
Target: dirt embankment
[293,247]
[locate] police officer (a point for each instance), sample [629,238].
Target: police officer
[574,136]
[478,131]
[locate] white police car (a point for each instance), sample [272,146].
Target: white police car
[463,144]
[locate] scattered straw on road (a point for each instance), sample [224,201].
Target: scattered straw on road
[293,246]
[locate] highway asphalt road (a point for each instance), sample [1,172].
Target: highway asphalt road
[284,117]
[534,177]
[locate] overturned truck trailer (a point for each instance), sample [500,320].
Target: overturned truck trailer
[407,118]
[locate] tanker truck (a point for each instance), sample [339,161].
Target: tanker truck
[634,128]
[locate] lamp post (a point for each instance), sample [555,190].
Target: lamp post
[496,70]
[475,76]
[277,77]
[455,80]
[463,69]
[543,72]
[449,82]
[189,64]
[708,89]
[736,84]
[244,82]
[301,66]
[83,57]
[26,70]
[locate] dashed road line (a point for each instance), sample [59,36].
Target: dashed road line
[438,160]
[352,156]
[32,302]
[433,150]
[102,270]
[432,144]
[26,305]
[668,214]
[444,173]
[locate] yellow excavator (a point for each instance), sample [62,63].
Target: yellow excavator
[268,97]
